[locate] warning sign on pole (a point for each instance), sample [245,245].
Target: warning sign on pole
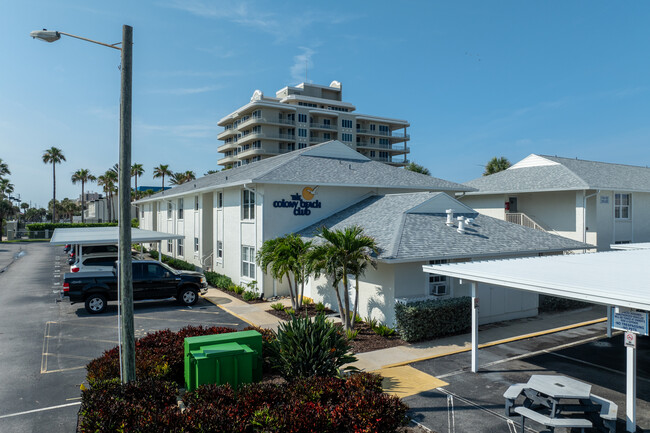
[630,339]
[631,321]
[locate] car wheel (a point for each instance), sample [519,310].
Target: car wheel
[188,296]
[96,303]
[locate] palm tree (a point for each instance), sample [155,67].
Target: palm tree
[286,256]
[343,252]
[69,208]
[417,168]
[4,169]
[53,156]
[108,181]
[82,175]
[496,165]
[5,210]
[136,171]
[161,171]
[6,188]
[181,177]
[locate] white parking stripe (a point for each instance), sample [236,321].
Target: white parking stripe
[40,410]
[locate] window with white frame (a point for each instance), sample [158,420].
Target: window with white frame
[219,249]
[196,203]
[196,244]
[622,203]
[248,261]
[180,208]
[247,205]
[169,210]
[179,247]
[438,284]
[170,245]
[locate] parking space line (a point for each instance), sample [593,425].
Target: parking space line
[83,339]
[60,370]
[40,410]
[59,355]
[46,342]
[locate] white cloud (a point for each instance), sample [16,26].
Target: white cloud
[300,62]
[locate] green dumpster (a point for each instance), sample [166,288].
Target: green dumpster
[234,358]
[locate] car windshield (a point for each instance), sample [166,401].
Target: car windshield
[170,269]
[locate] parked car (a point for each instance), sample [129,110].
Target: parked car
[151,280]
[91,249]
[97,262]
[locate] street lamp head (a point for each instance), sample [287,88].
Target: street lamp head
[45,35]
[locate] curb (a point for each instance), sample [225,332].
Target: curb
[230,312]
[497,342]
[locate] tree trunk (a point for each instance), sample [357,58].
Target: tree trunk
[292,295]
[163,182]
[53,192]
[346,298]
[356,300]
[83,202]
[338,301]
[136,186]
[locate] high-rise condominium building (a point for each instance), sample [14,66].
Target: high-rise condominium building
[301,116]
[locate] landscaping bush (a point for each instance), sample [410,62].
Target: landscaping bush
[174,263]
[306,348]
[218,280]
[250,296]
[39,227]
[433,318]
[157,356]
[142,406]
[278,306]
[237,289]
[549,304]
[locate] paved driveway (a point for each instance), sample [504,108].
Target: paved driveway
[44,344]
[474,402]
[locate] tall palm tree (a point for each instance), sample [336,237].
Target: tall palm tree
[161,171]
[343,252]
[136,171]
[286,256]
[4,169]
[6,188]
[496,165]
[53,156]
[107,181]
[82,175]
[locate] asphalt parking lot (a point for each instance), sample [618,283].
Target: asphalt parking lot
[45,345]
[474,402]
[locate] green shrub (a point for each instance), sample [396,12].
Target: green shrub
[307,301]
[238,289]
[433,318]
[351,334]
[306,348]
[290,311]
[278,306]
[39,227]
[218,280]
[174,263]
[320,307]
[551,304]
[384,330]
[249,295]
[135,223]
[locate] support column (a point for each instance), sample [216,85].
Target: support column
[474,329]
[609,321]
[630,390]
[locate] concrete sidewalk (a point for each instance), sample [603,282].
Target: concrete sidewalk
[502,332]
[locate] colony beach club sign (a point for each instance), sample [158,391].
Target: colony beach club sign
[300,203]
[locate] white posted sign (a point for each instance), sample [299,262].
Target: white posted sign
[631,321]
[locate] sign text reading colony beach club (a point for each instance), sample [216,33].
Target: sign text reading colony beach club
[300,203]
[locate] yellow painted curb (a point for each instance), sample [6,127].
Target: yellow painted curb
[230,312]
[405,381]
[497,342]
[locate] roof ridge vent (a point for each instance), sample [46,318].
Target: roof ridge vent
[450,217]
[461,224]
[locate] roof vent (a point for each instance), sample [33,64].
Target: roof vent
[469,221]
[461,224]
[450,217]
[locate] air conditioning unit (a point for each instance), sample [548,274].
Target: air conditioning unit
[437,289]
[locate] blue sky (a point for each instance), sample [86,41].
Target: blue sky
[475,79]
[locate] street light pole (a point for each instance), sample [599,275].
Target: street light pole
[124,198]
[127,353]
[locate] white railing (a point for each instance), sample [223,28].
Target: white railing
[523,220]
[205,259]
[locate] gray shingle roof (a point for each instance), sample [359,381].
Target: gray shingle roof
[330,163]
[567,174]
[407,236]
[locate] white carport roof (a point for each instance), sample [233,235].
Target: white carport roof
[637,246]
[106,235]
[618,278]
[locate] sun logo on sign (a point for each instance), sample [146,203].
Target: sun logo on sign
[308,192]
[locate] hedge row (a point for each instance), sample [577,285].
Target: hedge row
[433,318]
[551,304]
[174,263]
[35,227]
[218,280]
[318,405]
